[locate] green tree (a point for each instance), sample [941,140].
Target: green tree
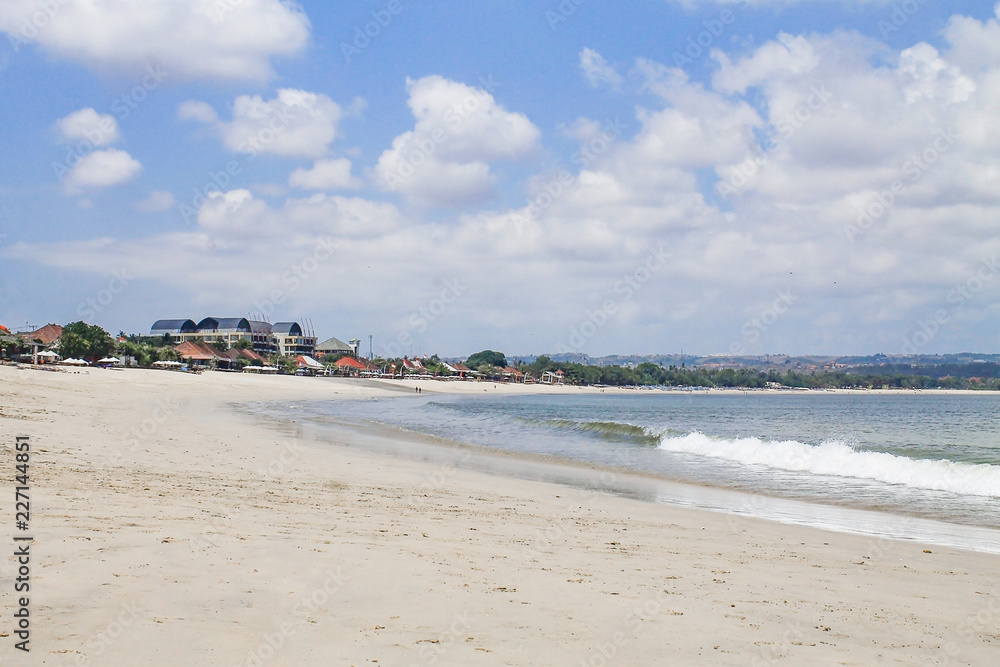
[487,357]
[88,341]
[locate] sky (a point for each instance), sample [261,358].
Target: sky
[723,177]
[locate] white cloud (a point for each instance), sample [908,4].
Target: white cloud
[788,56]
[189,38]
[157,201]
[927,76]
[974,44]
[460,130]
[89,126]
[197,110]
[236,211]
[102,169]
[237,215]
[296,123]
[834,129]
[597,70]
[325,175]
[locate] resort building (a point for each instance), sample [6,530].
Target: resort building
[291,341]
[335,346]
[47,337]
[204,354]
[285,338]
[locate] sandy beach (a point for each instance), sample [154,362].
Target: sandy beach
[171,527]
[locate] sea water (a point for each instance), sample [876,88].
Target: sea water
[931,456]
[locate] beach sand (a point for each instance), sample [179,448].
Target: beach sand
[171,528]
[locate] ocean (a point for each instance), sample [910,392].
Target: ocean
[843,461]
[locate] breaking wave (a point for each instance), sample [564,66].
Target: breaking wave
[839,459]
[608,430]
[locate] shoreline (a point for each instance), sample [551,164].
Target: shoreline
[648,487]
[455,386]
[714,391]
[172,528]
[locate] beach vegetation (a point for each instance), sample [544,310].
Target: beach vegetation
[488,358]
[86,341]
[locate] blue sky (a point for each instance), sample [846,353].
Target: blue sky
[509,175]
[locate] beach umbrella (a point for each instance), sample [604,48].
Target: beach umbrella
[109,360]
[48,354]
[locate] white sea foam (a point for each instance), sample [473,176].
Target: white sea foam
[834,457]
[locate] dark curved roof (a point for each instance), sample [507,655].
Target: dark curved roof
[287,328]
[161,327]
[257,326]
[224,324]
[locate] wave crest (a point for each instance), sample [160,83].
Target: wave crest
[839,459]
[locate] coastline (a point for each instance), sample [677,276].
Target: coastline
[171,526]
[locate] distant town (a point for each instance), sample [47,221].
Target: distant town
[243,345]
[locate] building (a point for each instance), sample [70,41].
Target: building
[335,346]
[204,354]
[354,367]
[558,377]
[47,336]
[286,338]
[291,341]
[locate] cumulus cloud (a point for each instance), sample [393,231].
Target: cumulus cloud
[197,110]
[787,56]
[460,130]
[597,70]
[295,123]
[808,146]
[157,201]
[89,126]
[189,38]
[101,169]
[974,44]
[325,175]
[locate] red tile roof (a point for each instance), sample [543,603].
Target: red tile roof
[350,362]
[249,355]
[196,351]
[48,334]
